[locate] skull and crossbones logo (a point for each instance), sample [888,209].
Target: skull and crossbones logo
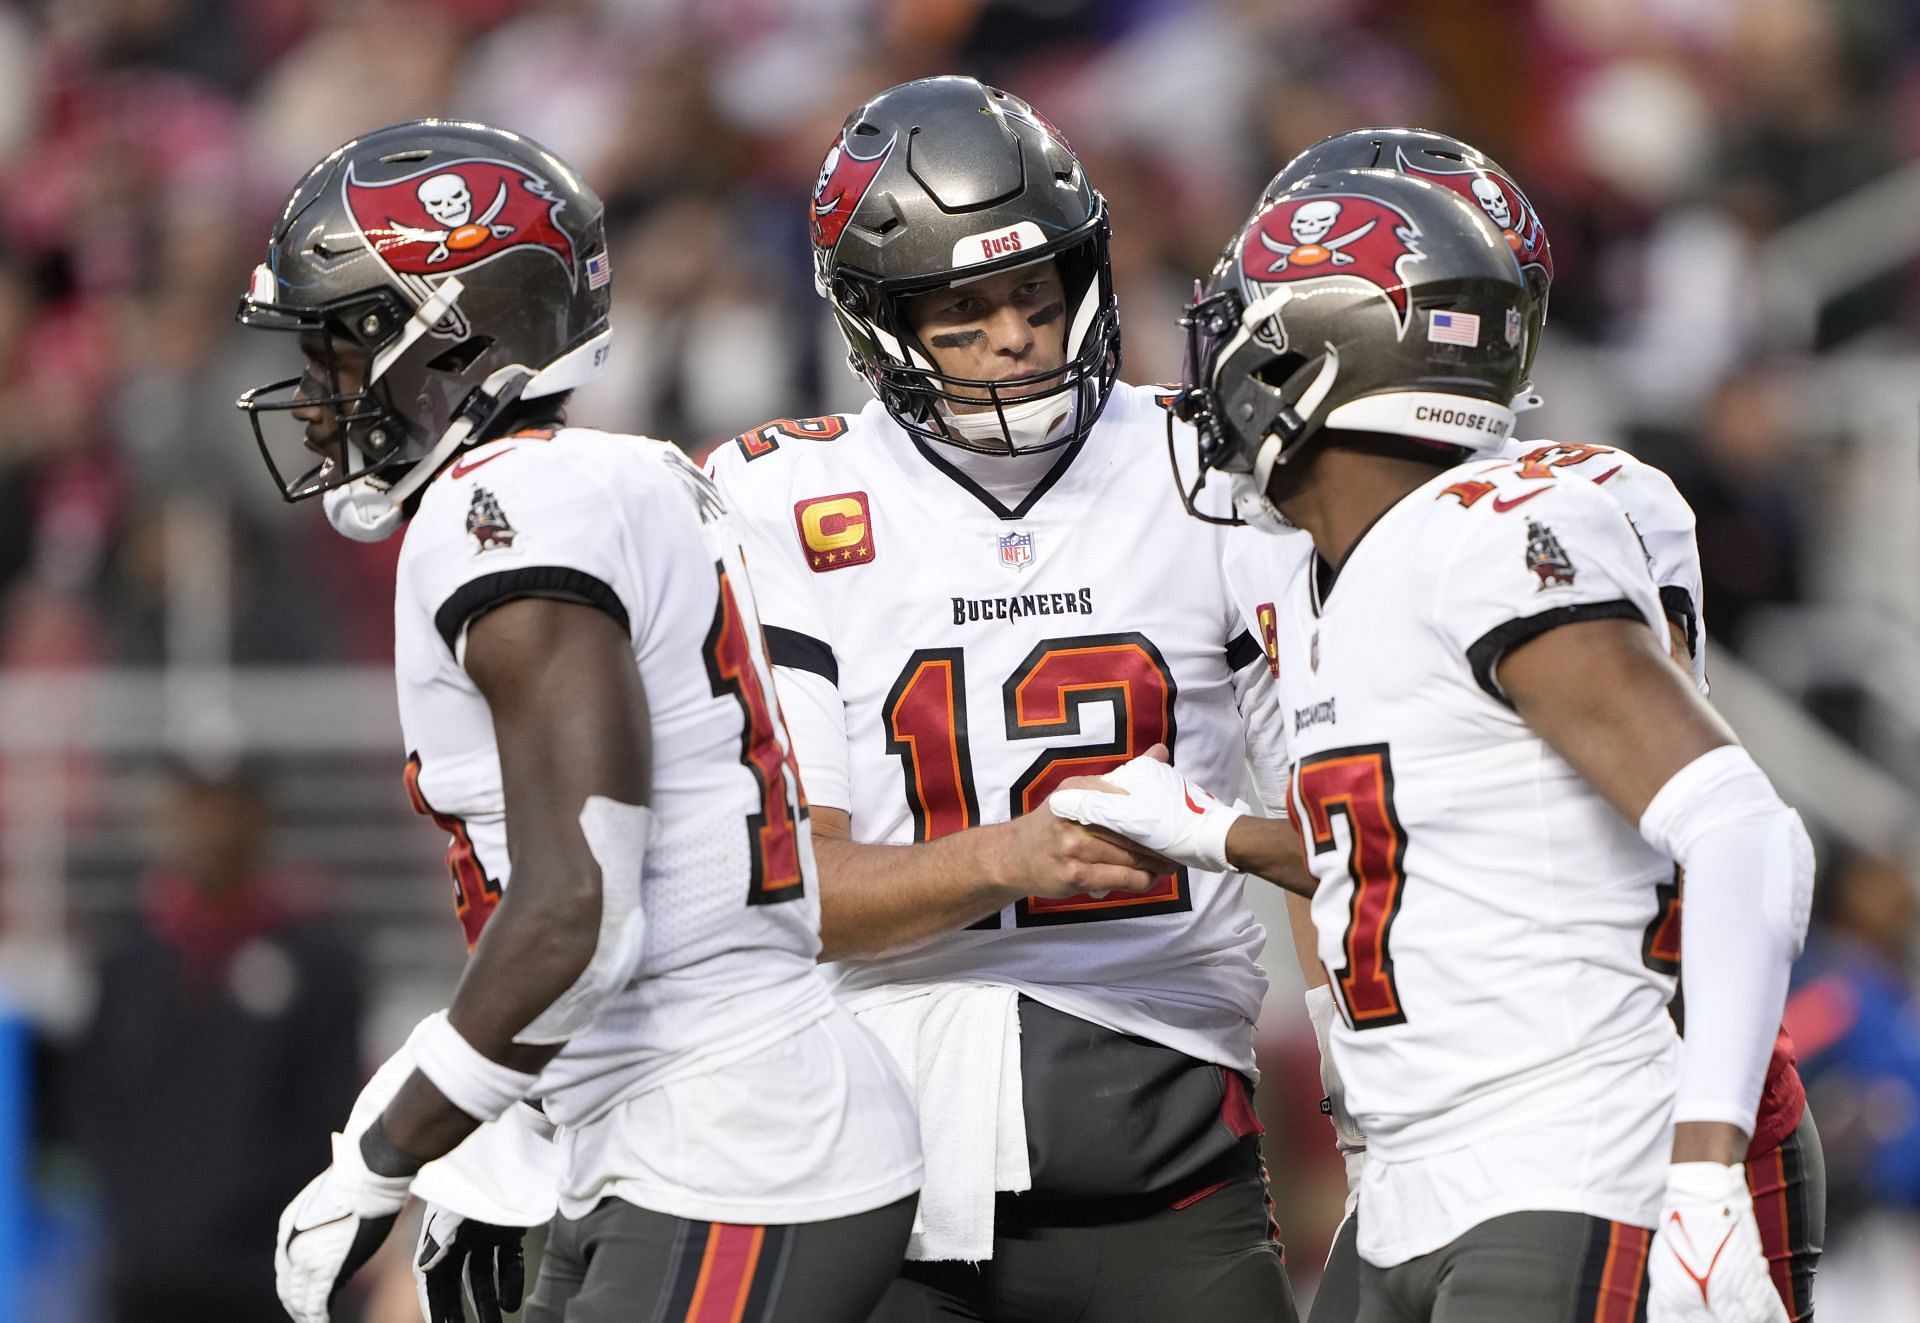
[449,201]
[1493,201]
[1310,226]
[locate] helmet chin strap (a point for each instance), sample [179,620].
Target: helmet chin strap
[369,510]
[1250,500]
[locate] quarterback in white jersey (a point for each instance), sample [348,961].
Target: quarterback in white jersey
[975,588]
[589,713]
[1472,669]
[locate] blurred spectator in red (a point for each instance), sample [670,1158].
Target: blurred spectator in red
[223,1048]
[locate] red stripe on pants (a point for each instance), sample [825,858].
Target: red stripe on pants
[726,1273]
[1622,1278]
[1767,1182]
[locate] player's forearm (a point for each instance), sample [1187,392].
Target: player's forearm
[1269,848]
[878,898]
[532,951]
[529,956]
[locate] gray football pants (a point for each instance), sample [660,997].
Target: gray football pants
[623,1264]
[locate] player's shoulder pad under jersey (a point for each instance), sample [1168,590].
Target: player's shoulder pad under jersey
[563,507]
[784,435]
[1511,553]
[1543,535]
[1644,490]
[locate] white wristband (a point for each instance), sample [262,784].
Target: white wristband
[477,1085]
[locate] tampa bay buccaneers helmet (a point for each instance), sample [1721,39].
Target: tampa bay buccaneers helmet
[1466,170]
[945,180]
[467,264]
[1360,301]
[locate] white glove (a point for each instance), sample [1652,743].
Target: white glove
[1707,1265]
[1348,1137]
[332,1227]
[1155,807]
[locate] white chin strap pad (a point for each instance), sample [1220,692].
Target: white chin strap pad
[362,511]
[617,834]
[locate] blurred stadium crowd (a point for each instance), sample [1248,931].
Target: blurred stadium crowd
[1677,149]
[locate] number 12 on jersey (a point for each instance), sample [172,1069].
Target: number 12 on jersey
[926,725]
[1357,784]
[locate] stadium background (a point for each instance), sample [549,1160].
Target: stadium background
[1733,192]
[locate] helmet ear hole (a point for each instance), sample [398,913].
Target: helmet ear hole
[1277,372]
[461,356]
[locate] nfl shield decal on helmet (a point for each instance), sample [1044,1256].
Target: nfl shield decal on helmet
[451,217]
[1338,236]
[1016,550]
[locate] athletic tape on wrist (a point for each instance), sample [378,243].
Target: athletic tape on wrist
[477,1085]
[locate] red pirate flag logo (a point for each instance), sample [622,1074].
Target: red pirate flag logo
[453,216]
[1340,236]
[1503,202]
[844,179]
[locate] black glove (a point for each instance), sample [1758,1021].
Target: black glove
[487,1259]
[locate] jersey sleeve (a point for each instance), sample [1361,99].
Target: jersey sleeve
[527,526]
[806,673]
[1532,555]
[1254,659]
[1658,512]
[1665,522]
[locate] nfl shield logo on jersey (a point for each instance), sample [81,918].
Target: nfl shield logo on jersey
[1016,550]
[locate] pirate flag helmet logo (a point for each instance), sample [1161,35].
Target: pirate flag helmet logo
[1501,199]
[845,176]
[1322,236]
[456,215]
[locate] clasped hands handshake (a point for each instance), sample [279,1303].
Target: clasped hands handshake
[1149,806]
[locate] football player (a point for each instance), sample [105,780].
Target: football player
[1480,706]
[973,589]
[586,704]
[1785,1166]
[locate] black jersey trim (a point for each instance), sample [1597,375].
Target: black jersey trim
[1678,603]
[1485,654]
[561,582]
[1243,651]
[987,498]
[802,652]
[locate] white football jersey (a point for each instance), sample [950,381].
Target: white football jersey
[731,905]
[946,661]
[1657,511]
[1491,927]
